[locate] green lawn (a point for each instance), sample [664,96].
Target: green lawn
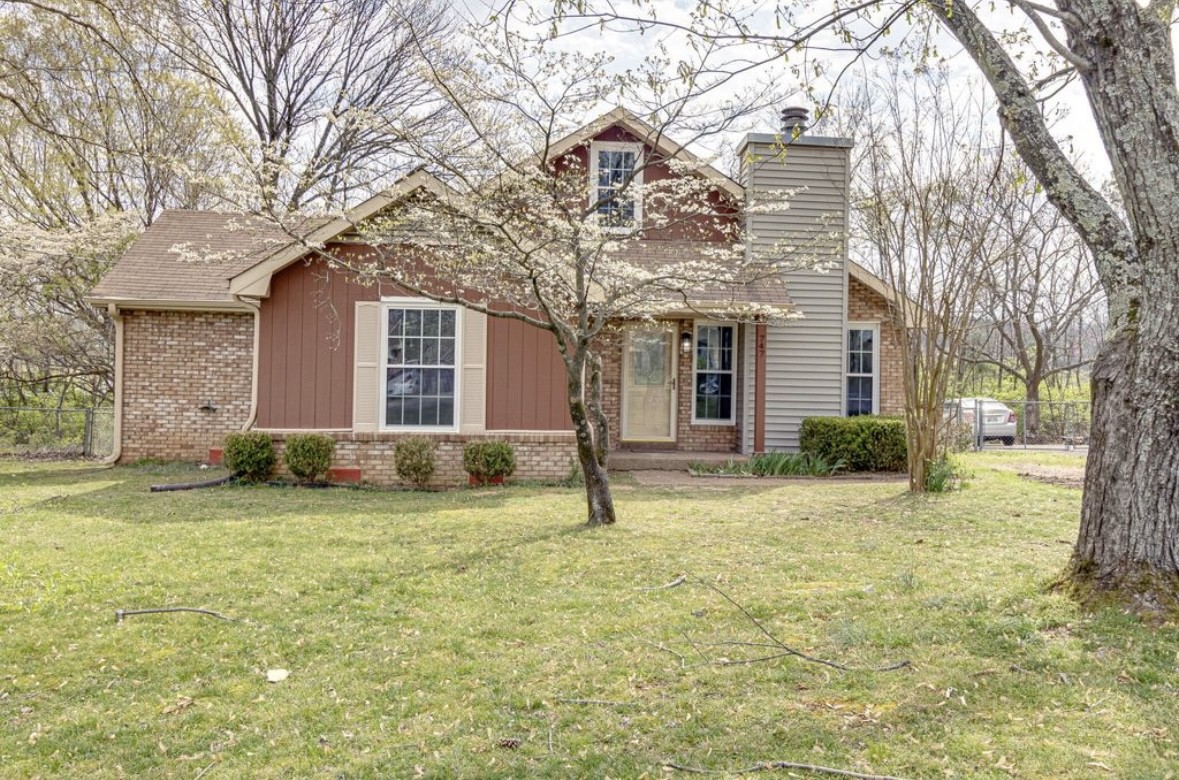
[486,634]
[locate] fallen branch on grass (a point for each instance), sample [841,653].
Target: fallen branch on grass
[122,613]
[765,766]
[602,702]
[680,580]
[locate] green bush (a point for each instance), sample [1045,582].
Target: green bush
[942,475]
[250,455]
[486,460]
[308,455]
[415,460]
[865,443]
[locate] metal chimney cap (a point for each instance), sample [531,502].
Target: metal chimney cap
[795,119]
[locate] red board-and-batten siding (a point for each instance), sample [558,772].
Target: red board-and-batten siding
[307,354]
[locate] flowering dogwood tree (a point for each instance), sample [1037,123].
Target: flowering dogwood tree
[1122,54]
[513,227]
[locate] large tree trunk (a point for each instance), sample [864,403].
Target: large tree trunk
[1129,536]
[591,452]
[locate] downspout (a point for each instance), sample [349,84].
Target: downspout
[256,306]
[117,446]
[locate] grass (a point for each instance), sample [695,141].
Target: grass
[426,633]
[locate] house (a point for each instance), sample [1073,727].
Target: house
[261,335]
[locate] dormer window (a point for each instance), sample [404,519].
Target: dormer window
[616,166]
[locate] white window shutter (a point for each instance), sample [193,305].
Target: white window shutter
[366,371]
[473,405]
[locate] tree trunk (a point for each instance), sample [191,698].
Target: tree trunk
[591,454]
[1031,409]
[1129,536]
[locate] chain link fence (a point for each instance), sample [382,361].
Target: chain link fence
[56,433]
[1047,425]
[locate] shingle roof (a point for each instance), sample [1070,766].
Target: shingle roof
[769,290]
[153,270]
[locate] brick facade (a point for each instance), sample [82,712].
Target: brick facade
[175,362]
[865,305]
[548,456]
[689,437]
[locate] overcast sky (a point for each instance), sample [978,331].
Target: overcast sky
[1073,122]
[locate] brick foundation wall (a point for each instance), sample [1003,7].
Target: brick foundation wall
[548,456]
[865,305]
[173,363]
[689,437]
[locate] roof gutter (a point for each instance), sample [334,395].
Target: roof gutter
[228,305]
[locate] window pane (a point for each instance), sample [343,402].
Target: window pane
[446,353]
[447,323]
[866,362]
[430,351]
[854,363]
[412,411]
[396,351]
[446,411]
[446,382]
[429,411]
[429,381]
[430,323]
[413,322]
[396,317]
[866,340]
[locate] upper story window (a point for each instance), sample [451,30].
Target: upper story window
[713,374]
[421,356]
[862,359]
[616,166]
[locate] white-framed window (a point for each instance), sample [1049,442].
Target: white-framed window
[613,165]
[861,364]
[713,377]
[420,380]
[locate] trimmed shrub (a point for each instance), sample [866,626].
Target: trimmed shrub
[864,443]
[250,455]
[414,458]
[308,455]
[488,460]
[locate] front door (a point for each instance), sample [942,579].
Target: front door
[648,385]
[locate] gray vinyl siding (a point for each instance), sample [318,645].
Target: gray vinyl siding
[804,358]
[748,380]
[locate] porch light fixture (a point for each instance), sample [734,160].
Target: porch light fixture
[686,342]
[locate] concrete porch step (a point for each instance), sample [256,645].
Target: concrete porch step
[624,460]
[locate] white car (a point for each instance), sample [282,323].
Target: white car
[998,421]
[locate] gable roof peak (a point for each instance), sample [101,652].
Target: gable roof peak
[650,135]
